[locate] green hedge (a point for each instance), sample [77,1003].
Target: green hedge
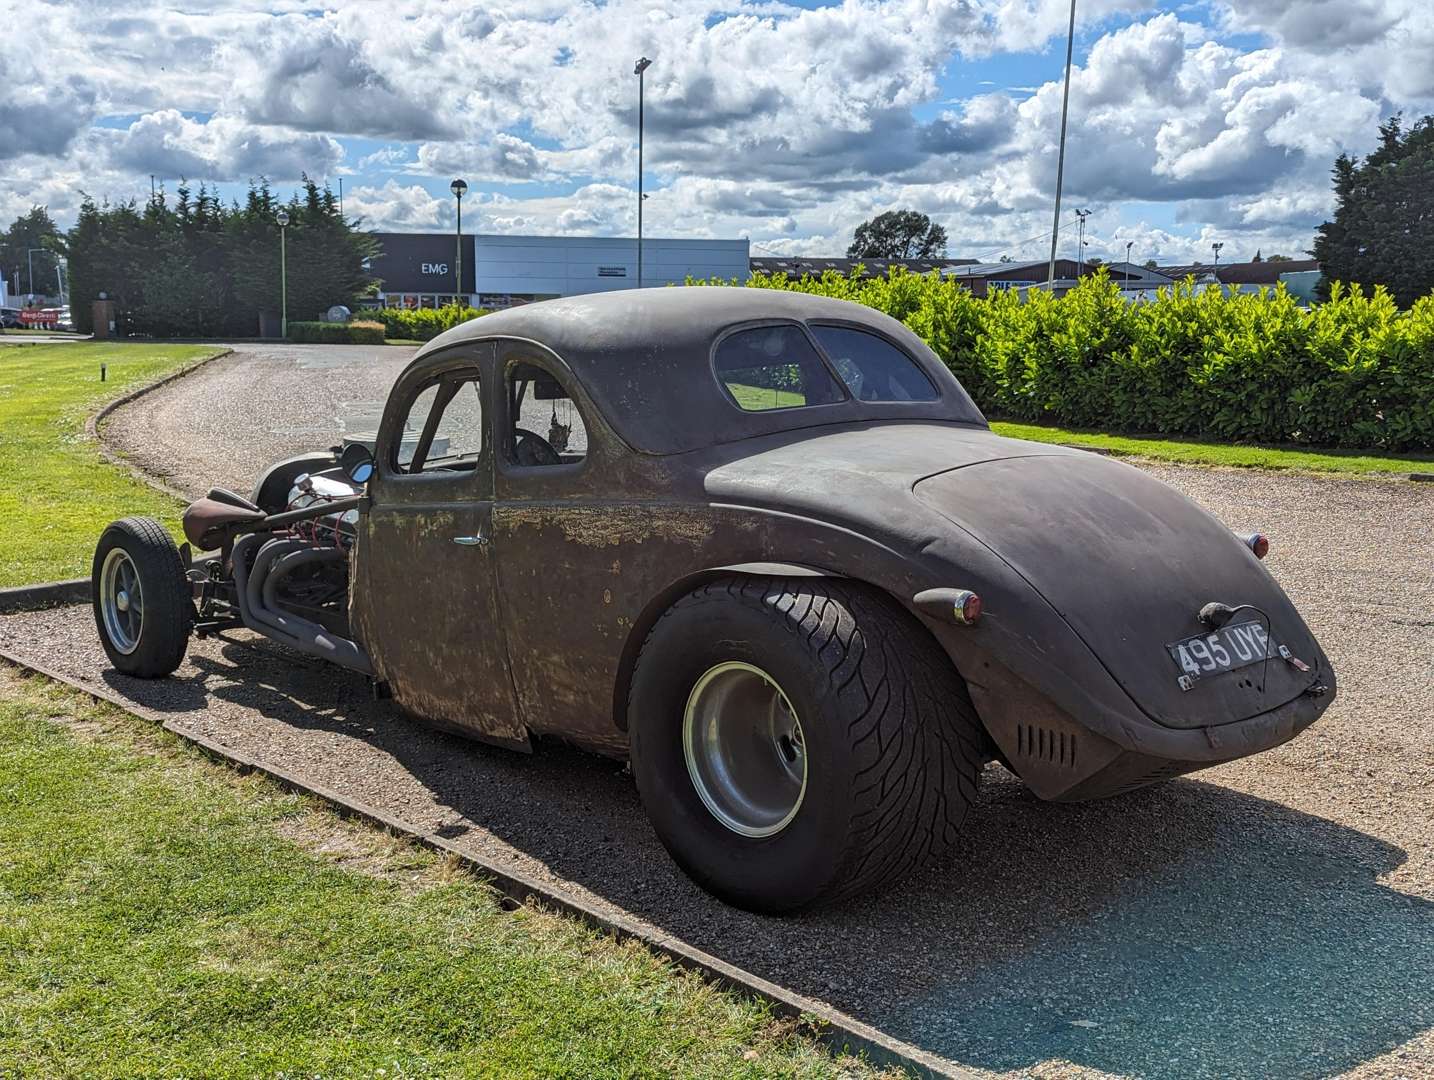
[423,324]
[1353,372]
[328,333]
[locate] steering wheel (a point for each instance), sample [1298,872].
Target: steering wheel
[530,448]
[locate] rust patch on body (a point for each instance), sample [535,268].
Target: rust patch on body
[615,526]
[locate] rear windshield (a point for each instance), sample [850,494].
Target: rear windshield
[774,367]
[873,368]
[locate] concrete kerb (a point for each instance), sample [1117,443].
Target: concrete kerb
[46,595]
[92,425]
[836,1030]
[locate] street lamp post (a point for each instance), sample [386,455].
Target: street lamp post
[1061,157]
[282,217]
[1080,244]
[642,65]
[30,266]
[1216,249]
[1128,245]
[458,187]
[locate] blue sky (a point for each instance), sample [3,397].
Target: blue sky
[786,123]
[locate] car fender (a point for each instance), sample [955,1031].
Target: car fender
[683,585]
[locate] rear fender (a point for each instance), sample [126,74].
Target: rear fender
[668,596]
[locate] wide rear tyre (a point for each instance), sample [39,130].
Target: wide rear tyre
[798,741]
[142,600]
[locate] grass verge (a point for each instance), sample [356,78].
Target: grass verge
[160,915]
[1194,452]
[58,492]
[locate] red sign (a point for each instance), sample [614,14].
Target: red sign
[47,317]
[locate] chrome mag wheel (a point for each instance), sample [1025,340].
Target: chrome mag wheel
[744,748]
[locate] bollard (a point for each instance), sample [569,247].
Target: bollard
[102,372]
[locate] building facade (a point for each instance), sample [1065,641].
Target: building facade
[1134,281]
[422,269]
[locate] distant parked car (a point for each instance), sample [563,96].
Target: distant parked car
[9,318]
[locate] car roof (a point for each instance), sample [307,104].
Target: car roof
[644,357]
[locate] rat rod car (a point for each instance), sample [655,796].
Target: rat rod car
[769,550]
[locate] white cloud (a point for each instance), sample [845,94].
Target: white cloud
[166,143]
[387,157]
[41,112]
[308,75]
[763,119]
[398,208]
[503,157]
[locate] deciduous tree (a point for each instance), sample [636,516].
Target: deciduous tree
[18,257]
[898,234]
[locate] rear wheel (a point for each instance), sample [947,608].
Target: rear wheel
[796,741]
[141,598]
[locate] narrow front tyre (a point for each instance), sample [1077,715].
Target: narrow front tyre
[141,598]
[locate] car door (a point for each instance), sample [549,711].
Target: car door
[425,597]
[560,578]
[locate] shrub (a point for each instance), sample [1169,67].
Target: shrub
[1354,372]
[424,324]
[359,332]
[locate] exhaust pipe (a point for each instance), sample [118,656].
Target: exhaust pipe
[254,590]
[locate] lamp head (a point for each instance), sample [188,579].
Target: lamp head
[458,187]
[282,217]
[642,65]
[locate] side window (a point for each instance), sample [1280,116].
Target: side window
[444,427]
[873,368]
[773,367]
[544,426]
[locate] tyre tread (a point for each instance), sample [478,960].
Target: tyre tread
[165,639]
[912,723]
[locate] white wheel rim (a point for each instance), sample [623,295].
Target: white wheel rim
[744,748]
[121,601]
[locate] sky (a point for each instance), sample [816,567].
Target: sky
[788,124]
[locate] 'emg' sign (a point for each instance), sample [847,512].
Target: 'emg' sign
[435,268]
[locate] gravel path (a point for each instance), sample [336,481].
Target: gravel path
[226,421]
[1270,917]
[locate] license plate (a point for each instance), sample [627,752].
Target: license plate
[1229,648]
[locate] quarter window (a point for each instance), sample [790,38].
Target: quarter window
[773,367]
[873,368]
[443,428]
[544,425]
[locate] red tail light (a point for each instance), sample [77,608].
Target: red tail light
[1259,543]
[959,605]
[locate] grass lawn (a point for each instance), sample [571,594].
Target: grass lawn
[163,916]
[58,493]
[1194,452]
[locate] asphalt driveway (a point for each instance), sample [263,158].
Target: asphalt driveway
[1270,917]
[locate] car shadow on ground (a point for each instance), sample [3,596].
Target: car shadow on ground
[1188,929]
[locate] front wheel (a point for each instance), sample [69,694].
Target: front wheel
[141,598]
[797,741]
